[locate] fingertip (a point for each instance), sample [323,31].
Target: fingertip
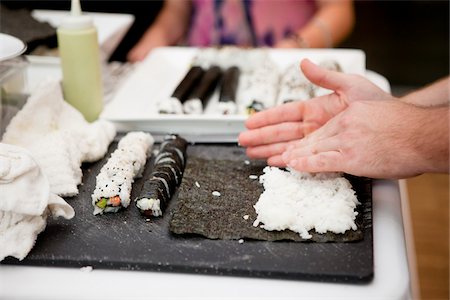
[276,161]
[241,139]
[248,122]
[305,63]
[252,122]
[293,163]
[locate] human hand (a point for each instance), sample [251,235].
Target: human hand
[387,139]
[138,53]
[148,42]
[288,44]
[270,131]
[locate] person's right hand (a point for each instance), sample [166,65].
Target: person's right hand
[386,139]
[269,132]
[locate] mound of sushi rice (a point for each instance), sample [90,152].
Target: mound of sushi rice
[303,201]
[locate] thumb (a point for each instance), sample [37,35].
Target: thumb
[322,77]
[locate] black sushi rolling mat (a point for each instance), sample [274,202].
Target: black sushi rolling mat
[127,241]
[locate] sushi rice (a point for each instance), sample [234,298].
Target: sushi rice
[303,201]
[113,187]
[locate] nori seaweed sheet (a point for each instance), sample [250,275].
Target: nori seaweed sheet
[199,212]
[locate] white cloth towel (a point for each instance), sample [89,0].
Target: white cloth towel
[25,202]
[58,137]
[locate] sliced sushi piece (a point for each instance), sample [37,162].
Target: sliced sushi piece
[227,99]
[154,196]
[165,178]
[174,105]
[200,96]
[113,183]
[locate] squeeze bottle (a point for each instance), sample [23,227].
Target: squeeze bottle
[80,61]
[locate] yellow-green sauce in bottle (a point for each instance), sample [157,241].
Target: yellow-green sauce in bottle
[80,62]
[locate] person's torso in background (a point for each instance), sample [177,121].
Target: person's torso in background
[246,22]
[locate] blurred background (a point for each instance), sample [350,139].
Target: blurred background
[405,41]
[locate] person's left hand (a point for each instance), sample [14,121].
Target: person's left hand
[370,138]
[287,44]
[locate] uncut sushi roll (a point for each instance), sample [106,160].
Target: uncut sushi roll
[200,96]
[228,89]
[113,183]
[174,105]
[294,86]
[165,177]
[259,88]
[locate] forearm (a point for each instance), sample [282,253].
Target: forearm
[332,23]
[430,139]
[171,24]
[433,95]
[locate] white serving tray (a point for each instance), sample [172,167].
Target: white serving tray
[134,105]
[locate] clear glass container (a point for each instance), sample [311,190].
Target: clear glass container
[13,78]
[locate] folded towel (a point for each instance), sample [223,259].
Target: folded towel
[58,155]
[58,137]
[25,202]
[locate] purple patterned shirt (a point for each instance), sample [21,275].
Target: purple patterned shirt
[247,22]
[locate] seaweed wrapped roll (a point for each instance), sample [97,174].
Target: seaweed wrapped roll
[203,91]
[165,177]
[227,99]
[174,105]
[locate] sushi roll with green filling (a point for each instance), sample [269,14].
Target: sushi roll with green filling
[113,183]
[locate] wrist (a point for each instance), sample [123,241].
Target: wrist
[430,139]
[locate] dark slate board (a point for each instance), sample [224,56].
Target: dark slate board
[126,241]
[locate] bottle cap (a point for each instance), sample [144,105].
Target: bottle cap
[77,20]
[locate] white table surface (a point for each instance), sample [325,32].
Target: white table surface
[391,280]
